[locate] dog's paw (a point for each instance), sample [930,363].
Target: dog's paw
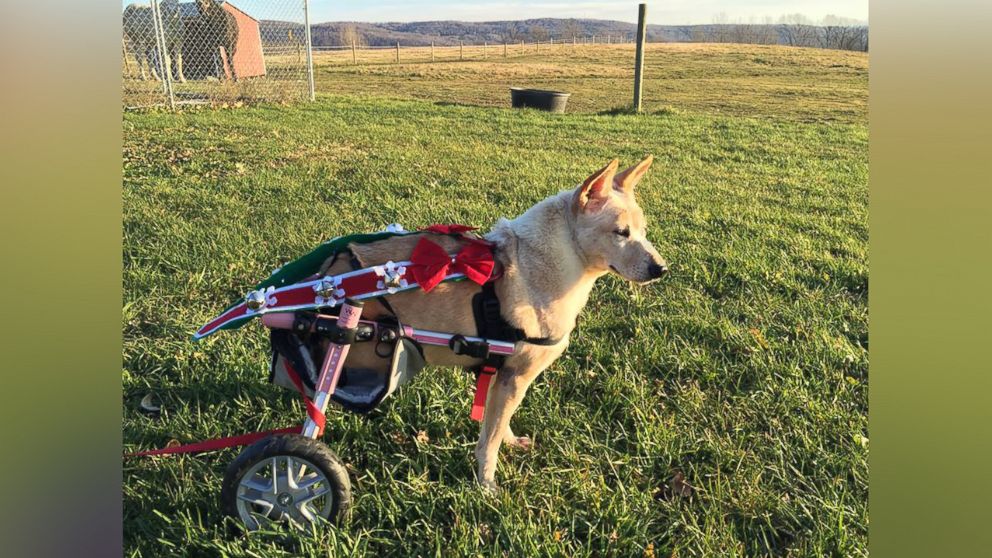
[489,487]
[520,442]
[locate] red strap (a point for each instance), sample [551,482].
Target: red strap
[244,439]
[312,411]
[482,392]
[217,443]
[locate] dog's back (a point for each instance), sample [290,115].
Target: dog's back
[447,307]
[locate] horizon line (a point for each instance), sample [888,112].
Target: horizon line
[854,21]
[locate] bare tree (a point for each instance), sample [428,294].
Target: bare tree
[537,33]
[798,30]
[791,29]
[513,35]
[860,41]
[571,29]
[348,34]
[841,33]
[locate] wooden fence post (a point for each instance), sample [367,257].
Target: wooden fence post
[461,50]
[642,10]
[354,55]
[432,51]
[485,46]
[504,49]
[397,53]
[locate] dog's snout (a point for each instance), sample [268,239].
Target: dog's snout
[656,270]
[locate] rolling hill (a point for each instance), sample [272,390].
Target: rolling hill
[423,33]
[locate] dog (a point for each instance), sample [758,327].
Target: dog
[551,256]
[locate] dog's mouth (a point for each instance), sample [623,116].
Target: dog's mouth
[621,275]
[634,281]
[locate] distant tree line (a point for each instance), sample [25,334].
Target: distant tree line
[793,30]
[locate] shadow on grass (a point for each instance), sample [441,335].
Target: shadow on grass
[628,110]
[458,104]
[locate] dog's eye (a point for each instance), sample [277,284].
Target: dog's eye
[624,232]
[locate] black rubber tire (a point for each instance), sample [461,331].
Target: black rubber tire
[293,445]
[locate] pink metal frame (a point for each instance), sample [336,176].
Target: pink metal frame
[350,317]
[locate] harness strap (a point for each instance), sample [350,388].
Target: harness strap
[313,412]
[491,324]
[485,377]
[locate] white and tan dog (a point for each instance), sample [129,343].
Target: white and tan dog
[551,256]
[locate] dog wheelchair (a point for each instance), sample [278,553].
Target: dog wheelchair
[288,475]
[294,477]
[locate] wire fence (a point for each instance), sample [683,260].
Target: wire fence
[181,52]
[357,53]
[214,51]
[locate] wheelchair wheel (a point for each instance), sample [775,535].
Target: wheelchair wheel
[286,479]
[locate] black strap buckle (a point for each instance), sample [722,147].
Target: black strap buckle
[462,346]
[328,327]
[303,322]
[364,332]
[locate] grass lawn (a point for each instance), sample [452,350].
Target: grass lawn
[744,373]
[812,85]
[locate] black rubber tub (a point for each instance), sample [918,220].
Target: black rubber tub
[552,101]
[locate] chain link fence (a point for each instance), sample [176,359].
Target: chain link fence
[177,52]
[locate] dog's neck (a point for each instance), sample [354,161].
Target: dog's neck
[547,280]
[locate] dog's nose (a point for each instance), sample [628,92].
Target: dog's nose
[656,270]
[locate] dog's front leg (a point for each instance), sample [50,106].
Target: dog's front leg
[507,391]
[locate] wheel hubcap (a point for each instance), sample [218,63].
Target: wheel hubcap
[283,488]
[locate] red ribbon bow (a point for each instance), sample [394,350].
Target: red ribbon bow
[430,264]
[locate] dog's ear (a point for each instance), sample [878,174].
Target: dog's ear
[593,193]
[625,180]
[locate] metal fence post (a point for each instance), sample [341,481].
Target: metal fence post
[127,65]
[642,10]
[306,24]
[164,64]
[397,52]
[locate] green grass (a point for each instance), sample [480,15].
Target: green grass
[812,85]
[745,371]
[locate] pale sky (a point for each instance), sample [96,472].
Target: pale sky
[672,12]
[660,12]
